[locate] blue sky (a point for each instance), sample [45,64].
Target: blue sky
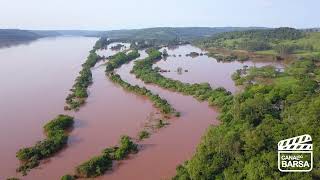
[128,14]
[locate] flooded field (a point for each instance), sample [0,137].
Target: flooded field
[203,68]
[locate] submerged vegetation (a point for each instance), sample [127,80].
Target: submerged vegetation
[117,47]
[56,140]
[143,134]
[98,165]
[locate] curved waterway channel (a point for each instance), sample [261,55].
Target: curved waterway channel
[36,78]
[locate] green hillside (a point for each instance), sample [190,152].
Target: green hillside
[169,33]
[282,42]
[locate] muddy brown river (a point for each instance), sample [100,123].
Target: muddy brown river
[35,80]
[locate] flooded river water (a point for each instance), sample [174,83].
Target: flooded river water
[35,80]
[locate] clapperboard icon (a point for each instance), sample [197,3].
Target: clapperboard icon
[295,154]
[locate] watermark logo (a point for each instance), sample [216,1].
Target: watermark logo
[295,154]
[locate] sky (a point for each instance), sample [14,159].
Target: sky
[130,14]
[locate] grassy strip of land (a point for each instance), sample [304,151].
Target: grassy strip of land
[56,139]
[98,165]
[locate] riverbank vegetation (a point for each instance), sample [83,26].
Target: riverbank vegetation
[98,165]
[254,75]
[120,58]
[56,139]
[117,47]
[102,43]
[143,134]
[244,145]
[79,92]
[277,44]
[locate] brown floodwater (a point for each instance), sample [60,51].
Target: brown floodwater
[35,81]
[203,68]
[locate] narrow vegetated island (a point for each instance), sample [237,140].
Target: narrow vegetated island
[97,165]
[79,92]
[57,136]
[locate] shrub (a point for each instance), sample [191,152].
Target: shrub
[143,134]
[94,167]
[67,177]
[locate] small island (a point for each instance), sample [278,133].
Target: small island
[193,54]
[117,47]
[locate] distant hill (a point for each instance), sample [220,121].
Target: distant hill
[15,36]
[169,33]
[10,37]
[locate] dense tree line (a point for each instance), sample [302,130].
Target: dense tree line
[102,43]
[244,146]
[98,165]
[79,90]
[56,139]
[120,58]
[253,74]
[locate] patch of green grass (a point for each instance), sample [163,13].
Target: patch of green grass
[267,52]
[143,134]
